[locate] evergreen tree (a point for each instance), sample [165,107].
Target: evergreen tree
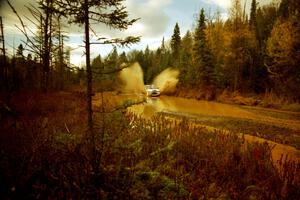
[266,17]
[175,44]
[41,43]
[253,22]
[20,52]
[289,8]
[123,58]
[29,57]
[256,68]
[162,46]
[98,66]
[111,64]
[186,71]
[203,58]
[238,64]
[110,13]
[148,66]
[284,8]
[217,36]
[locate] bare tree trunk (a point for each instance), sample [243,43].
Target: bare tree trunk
[61,57]
[47,45]
[45,58]
[89,81]
[4,64]
[50,73]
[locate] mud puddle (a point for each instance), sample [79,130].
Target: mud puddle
[212,114]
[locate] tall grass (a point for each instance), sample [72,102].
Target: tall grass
[139,159]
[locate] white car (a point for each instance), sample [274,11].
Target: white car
[152,90]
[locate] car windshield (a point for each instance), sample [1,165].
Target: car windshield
[150,87]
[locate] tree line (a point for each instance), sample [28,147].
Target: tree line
[47,63]
[42,60]
[253,53]
[256,53]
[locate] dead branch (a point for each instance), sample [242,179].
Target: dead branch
[23,30]
[112,71]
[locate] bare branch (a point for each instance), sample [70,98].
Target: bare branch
[119,42]
[22,23]
[113,71]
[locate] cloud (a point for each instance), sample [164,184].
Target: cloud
[225,4]
[156,19]
[152,23]
[153,19]
[11,21]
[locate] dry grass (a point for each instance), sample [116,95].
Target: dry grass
[135,158]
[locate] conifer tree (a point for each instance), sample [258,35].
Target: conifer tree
[203,58]
[186,71]
[253,22]
[162,47]
[175,43]
[110,13]
[40,44]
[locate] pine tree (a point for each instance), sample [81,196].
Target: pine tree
[123,58]
[175,44]
[186,71]
[98,66]
[162,46]
[256,66]
[20,52]
[284,8]
[203,58]
[41,42]
[253,22]
[110,13]
[112,63]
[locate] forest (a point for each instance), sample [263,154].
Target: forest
[68,132]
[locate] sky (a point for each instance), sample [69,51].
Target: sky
[157,19]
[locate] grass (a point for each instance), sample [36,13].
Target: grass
[271,132]
[292,107]
[45,155]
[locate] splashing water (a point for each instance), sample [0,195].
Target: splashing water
[167,80]
[132,80]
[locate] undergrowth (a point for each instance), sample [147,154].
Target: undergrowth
[49,158]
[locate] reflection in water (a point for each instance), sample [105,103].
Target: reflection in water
[195,107]
[190,106]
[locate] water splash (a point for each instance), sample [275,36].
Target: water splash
[132,81]
[167,80]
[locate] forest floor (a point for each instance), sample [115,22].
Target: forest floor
[44,153]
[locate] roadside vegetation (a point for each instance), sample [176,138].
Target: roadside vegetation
[44,154]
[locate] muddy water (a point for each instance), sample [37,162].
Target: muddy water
[190,107]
